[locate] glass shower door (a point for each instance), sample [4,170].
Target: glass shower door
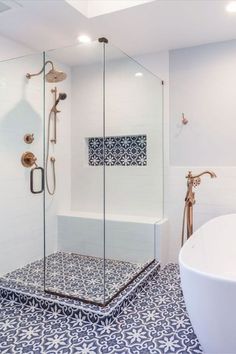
[106,169]
[133,168]
[92,119]
[74,214]
[21,140]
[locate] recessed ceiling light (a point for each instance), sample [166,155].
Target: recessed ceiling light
[83,38]
[139,74]
[231,7]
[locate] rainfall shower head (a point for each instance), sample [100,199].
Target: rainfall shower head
[52,76]
[55,76]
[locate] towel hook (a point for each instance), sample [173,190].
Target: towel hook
[184,119]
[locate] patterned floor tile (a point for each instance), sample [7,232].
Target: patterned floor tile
[155,322]
[85,312]
[79,276]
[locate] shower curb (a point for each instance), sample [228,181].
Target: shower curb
[77,309]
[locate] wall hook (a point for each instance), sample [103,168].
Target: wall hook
[184,119]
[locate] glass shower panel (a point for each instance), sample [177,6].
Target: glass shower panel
[133,168]
[74,238]
[21,211]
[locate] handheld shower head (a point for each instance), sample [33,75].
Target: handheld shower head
[62,96]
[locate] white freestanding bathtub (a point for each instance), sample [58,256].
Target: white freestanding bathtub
[208,277]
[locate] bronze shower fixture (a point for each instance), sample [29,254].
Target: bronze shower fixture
[28,138]
[52,76]
[28,159]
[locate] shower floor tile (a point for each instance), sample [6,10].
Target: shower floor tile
[156,322]
[78,276]
[87,312]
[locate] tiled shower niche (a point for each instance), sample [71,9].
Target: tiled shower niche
[128,150]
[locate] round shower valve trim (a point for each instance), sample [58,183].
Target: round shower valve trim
[28,138]
[28,159]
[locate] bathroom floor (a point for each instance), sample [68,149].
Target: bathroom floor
[79,276]
[156,322]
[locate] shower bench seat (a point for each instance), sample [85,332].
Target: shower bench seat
[126,237]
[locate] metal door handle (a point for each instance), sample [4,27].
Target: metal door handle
[32,180]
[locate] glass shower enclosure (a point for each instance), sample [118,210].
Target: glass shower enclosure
[79,214]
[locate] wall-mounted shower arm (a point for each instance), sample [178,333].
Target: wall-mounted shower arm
[52,76]
[40,72]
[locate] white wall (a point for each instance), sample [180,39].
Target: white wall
[22,111]
[158,63]
[61,151]
[202,85]
[202,81]
[133,106]
[21,213]
[87,121]
[10,49]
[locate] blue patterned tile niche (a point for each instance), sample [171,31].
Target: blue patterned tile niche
[130,150]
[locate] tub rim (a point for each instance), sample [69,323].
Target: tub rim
[196,270]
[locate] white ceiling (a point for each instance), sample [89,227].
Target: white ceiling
[93,8]
[154,26]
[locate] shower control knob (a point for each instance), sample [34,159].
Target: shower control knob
[28,159]
[29,138]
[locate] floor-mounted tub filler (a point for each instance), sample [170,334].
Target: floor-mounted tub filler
[208,277]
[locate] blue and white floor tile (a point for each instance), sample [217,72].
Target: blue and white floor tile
[94,313]
[155,322]
[78,276]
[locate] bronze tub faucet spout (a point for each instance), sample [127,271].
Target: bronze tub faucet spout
[211,173]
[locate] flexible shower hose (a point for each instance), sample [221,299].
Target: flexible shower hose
[51,192]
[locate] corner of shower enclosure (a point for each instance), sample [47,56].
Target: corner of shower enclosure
[96,116]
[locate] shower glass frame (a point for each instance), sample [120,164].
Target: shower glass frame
[106,55]
[140,101]
[22,113]
[98,53]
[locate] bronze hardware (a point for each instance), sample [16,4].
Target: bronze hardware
[52,115]
[103,40]
[32,189]
[55,111]
[192,181]
[52,76]
[28,159]
[184,119]
[28,138]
